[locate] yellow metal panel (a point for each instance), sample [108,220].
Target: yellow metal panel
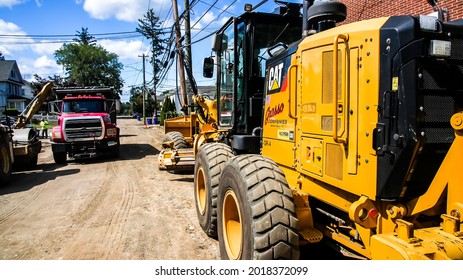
[334,161]
[433,244]
[351,166]
[312,155]
[352,157]
[285,156]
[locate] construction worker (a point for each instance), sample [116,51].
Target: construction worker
[44,128]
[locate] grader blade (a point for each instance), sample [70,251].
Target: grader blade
[177,160]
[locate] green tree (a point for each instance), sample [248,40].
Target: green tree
[84,37]
[89,64]
[136,99]
[150,28]
[125,108]
[168,110]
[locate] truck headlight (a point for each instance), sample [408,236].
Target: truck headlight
[56,135]
[111,132]
[440,48]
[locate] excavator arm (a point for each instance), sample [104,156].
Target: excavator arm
[34,106]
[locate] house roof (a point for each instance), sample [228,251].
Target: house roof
[17,97]
[6,67]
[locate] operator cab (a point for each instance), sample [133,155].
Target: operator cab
[241,48]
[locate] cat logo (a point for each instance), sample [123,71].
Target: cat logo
[274,80]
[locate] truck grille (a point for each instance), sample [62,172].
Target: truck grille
[83,129]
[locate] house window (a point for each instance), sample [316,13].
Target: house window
[16,104]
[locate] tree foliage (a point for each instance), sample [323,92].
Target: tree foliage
[84,37]
[89,64]
[168,109]
[136,101]
[150,27]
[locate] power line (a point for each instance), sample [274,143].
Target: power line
[63,35]
[216,18]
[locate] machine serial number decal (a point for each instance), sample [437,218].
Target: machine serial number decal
[285,135]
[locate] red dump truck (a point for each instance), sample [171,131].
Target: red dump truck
[86,123]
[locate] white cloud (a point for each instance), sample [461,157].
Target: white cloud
[44,48]
[44,62]
[44,66]
[125,10]
[16,39]
[126,50]
[10,3]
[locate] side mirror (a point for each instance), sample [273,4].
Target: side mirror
[118,106]
[54,107]
[208,67]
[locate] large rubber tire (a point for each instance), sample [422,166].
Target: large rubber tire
[210,161]
[256,211]
[177,138]
[6,164]
[60,157]
[114,152]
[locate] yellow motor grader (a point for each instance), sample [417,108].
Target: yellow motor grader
[359,142]
[217,118]
[184,135]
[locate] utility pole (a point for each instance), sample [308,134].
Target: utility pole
[154,87]
[187,35]
[144,88]
[187,53]
[178,36]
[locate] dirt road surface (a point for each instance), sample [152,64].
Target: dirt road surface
[103,209]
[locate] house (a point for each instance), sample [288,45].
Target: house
[11,93]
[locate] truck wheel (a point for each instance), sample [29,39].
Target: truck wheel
[256,212]
[114,152]
[177,138]
[210,161]
[59,157]
[32,163]
[5,163]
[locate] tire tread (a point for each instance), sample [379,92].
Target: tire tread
[272,208]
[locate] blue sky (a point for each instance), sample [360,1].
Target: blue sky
[34,53]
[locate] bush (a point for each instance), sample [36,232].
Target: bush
[12,112]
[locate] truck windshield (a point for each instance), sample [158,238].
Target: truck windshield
[83,106]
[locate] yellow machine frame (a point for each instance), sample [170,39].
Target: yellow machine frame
[328,153]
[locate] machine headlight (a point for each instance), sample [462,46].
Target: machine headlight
[428,23]
[440,48]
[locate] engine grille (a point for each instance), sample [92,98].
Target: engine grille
[83,129]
